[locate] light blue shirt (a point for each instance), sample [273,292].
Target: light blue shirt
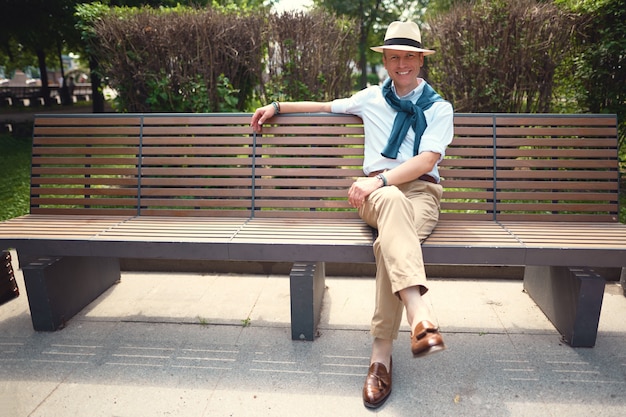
[378,117]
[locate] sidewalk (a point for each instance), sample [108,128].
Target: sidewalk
[176,345]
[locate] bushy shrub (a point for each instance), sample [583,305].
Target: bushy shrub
[310,56]
[499,56]
[177,59]
[216,59]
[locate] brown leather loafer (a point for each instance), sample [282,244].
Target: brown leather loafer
[377,385]
[426,339]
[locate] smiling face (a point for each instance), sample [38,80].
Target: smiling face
[403,68]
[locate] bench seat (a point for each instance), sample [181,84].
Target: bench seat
[569,243]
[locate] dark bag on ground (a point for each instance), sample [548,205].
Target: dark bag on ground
[8,285]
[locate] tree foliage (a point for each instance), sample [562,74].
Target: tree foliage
[39,28]
[373,17]
[599,59]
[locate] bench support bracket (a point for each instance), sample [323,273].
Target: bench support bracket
[570,297]
[60,287]
[307,286]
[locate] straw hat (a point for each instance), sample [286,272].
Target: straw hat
[403,36]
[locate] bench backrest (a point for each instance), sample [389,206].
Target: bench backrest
[532,167]
[499,166]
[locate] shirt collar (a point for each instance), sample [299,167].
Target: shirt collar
[413,95]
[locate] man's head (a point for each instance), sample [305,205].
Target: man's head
[403,55]
[403,36]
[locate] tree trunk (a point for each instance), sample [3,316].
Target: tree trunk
[43,70]
[96,84]
[363,57]
[64,91]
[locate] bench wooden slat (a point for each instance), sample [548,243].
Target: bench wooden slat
[320,230]
[553,131]
[183,211]
[595,142]
[549,195]
[562,217]
[213,119]
[461,119]
[33,226]
[88,161]
[226,183]
[61,174]
[265,141]
[195,149]
[569,234]
[86,120]
[560,174]
[91,150]
[159,228]
[160,173]
[458,233]
[193,159]
[84,211]
[205,192]
[124,181]
[555,164]
[555,119]
[202,130]
[78,142]
[466,206]
[196,203]
[106,131]
[242,141]
[306,213]
[87,191]
[538,207]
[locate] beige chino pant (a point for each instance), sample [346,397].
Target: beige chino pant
[404,215]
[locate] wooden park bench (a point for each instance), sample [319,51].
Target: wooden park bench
[539,191]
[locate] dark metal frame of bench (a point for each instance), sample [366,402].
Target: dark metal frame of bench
[540,191]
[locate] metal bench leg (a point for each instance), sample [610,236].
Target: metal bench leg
[571,298]
[60,287]
[307,290]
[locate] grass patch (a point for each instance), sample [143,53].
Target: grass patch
[14,176]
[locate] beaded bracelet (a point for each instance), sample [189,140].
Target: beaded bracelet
[276,107]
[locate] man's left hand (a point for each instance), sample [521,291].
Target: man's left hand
[361,189]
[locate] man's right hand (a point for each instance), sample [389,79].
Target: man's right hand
[260,116]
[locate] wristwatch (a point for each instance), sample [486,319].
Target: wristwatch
[382,178]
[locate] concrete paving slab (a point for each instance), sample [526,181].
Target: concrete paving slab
[175,345]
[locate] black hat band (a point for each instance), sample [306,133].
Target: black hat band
[403,41]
